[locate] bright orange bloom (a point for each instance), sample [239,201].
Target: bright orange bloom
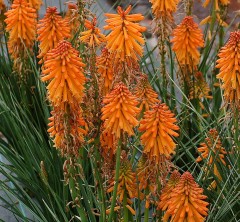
[163,7]
[93,36]
[165,197]
[187,38]
[35,3]
[158,126]
[229,65]
[127,184]
[105,69]
[21,24]
[58,129]
[126,39]
[51,30]
[212,150]
[146,95]
[187,202]
[216,3]
[64,69]
[119,112]
[73,18]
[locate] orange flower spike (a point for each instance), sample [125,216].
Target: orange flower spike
[21,24]
[146,95]
[187,202]
[164,7]
[93,36]
[125,38]
[166,193]
[229,65]
[158,125]
[51,29]
[72,18]
[64,69]
[105,69]
[35,3]
[187,38]
[120,111]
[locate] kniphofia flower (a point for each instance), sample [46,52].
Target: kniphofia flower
[64,70]
[105,69]
[229,65]
[73,18]
[120,111]
[21,25]
[146,95]
[93,36]
[165,197]
[187,202]
[163,7]
[125,38]
[158,127]
[35,3]
[210,150]
[51,30]
[2,5]
[216,3]
[187,38]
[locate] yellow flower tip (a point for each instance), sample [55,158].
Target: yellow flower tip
[187,38]
[120,111]
[64,70]
[105,69]
[21,25]
[164,7]
[229,65]
[158,127]
[93,36]
[187,202]
[146,95]
[125,39]
[51,29]
[206,20]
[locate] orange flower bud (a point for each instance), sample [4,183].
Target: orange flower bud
[21,24]
[119,112]
[51,29]
[187,38]
[163,7]
[35,3]
[229,65]
[158,127]
[64,69]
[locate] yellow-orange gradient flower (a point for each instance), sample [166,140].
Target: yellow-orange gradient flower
[105,69]
[158,125]
[146,95]
[163,7]
[119,112]
[21,25]
[64,70]
[229,65]
[51,30]
[187,202]
[93,36]
[127,184]
[73,18]
[125,38]
[76,127]
[35,3]
[187,38]
[165,197]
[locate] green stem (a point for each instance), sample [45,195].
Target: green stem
[146,211]
[117,169]
[125,209]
